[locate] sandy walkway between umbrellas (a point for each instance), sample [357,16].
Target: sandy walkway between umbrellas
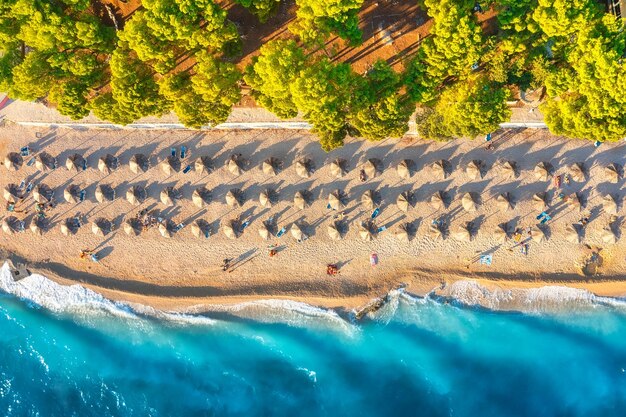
[186,271]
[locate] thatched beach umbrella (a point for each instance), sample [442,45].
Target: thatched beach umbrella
[367,199]
[104,193]
[501,234]
[165,231]
[270,166]
[170,165]
[474,169]
[574,202]
[372,167]
[609,204]
[42,193]
[264,198]
[468,201]
[333,231]
[404,201]
[234,167]
[203,165]
[402,233]
[200,228]
[509,169]
[71,194]
[11,193]
[304,168]
[69,227]
[438,200]
[136,195]
[577,172]
[338,168]
[132,227]
[107,163]
[404,169]
[503,201]
[537,235]
[608,235]
[45,162]
[539,201]
[434,232]
[365,231]
[101,227]
[612,173]
[168,195]
[571,234]
[264,232]
[335,200]
[440,168]
[542,171]
[11,225]
[463,233]
[233,197]
[138,163]
[297,232]
[75,163]
[299,201]
[200,197]
[37,227]
[13,161]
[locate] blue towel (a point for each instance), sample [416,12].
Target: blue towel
[486,259]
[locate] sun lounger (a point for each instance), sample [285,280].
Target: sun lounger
[245,224]
[82,194]
[281,232]
[173,152]
[94,257]
[30,162]
[187,169]
[84,165]
[179,226]
[381,229]
[375,213]
[183,152]
[29,187]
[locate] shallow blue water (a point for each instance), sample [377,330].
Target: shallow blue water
[415,358]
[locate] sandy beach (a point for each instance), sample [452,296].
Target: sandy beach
[185,271]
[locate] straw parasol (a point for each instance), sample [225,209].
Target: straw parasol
[469,203]
[13,161]
[501,234]
[435,232]
[335,200]
[509,169]
[104,193]
[265,198]
[10,225]
[138,163]
[101,227]
[404,201]
[367,199]
[571,234]
[68,227]
[365,231]
[303,168]
[42,193]
[404,169]
[504,201]
[440,168]
[36,227]
[299,201]
[539,201]
[574,202]
[200,197]
[170,165]
[609,204]
[473,169]
[264,232]
[537,235]
[338,168]
[372,167]
[165,230]
[107,163]
[233,166]
[168,195]
[577,172]
[203,165]
[45,162]
[542,171]
[132,227]
[297,232]
[463,233]
[233,197]
[402,233]
[612,173]
[75,163]
[270,166]
[608,235]
[135,195]
[71,194]
[199,228]
[11,193]
[438,200]
[333,231]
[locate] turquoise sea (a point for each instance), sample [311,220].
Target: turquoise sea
[65,351]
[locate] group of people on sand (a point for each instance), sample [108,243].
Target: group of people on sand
[147,219]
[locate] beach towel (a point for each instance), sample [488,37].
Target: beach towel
[486,260]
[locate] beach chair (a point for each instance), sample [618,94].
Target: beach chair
[375,213]
[183,152]
[94,257]
[486,260]
[245,224]
[22,184]
[187,169]
[179,226]
[281,232]
[173,152]
[30,162]
[29,187]
[84,165]
[82,194]
[381,229]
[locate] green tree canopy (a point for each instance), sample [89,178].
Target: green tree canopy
[262,9]
[316,19]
